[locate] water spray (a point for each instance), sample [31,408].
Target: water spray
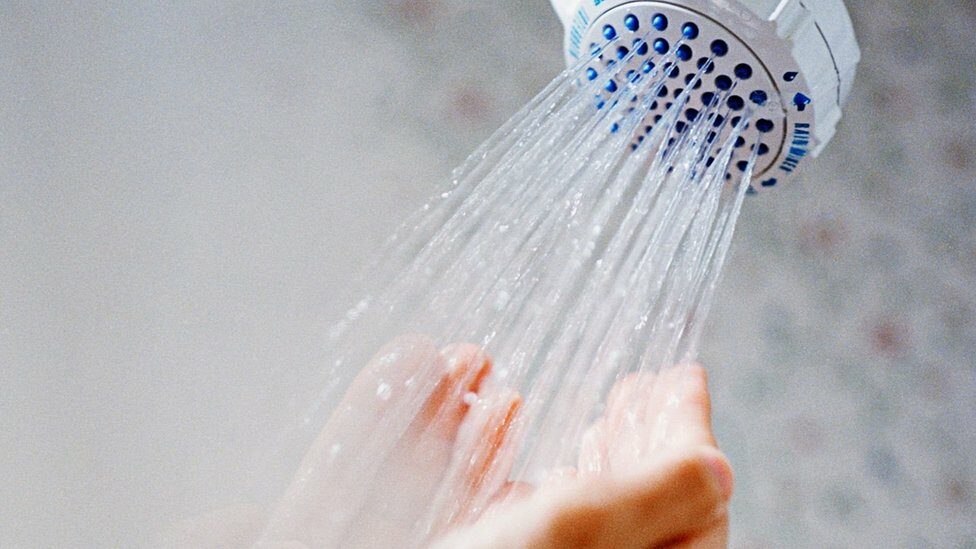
[580,247]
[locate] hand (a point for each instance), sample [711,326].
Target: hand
[616,497]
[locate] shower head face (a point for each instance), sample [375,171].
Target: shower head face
[771,59]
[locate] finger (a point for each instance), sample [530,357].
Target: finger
[391,388]
[626,422]
[593,451]
[465,368]
[713,536]
[620,400]
[390,380]
[398,371]
[659,507]
[489,436]
[696,404]
[511,492]
[483,456]
[405,484]
[651,414]
[684,417]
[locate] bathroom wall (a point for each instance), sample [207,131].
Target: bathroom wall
[188,190]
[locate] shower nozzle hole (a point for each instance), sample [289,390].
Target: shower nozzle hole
[659,21]
[632,22]
[640,46]
[720,48]
[743,71]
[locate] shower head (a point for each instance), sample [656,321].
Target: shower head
[790,62]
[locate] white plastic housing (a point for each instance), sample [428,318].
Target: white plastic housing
[811,40]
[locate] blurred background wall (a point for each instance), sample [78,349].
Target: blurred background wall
[187,191]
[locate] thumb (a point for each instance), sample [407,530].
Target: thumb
[674,499]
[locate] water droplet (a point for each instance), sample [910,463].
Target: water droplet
[501,300]
[384,390]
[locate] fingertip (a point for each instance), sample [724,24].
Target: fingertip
[507,402]
[493,415]
[465,367]
[468,362]
[403,353]
[592,459]
[719,470]
[697,371]
[694,390]
[624,392]
[620,386]
[681,493]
